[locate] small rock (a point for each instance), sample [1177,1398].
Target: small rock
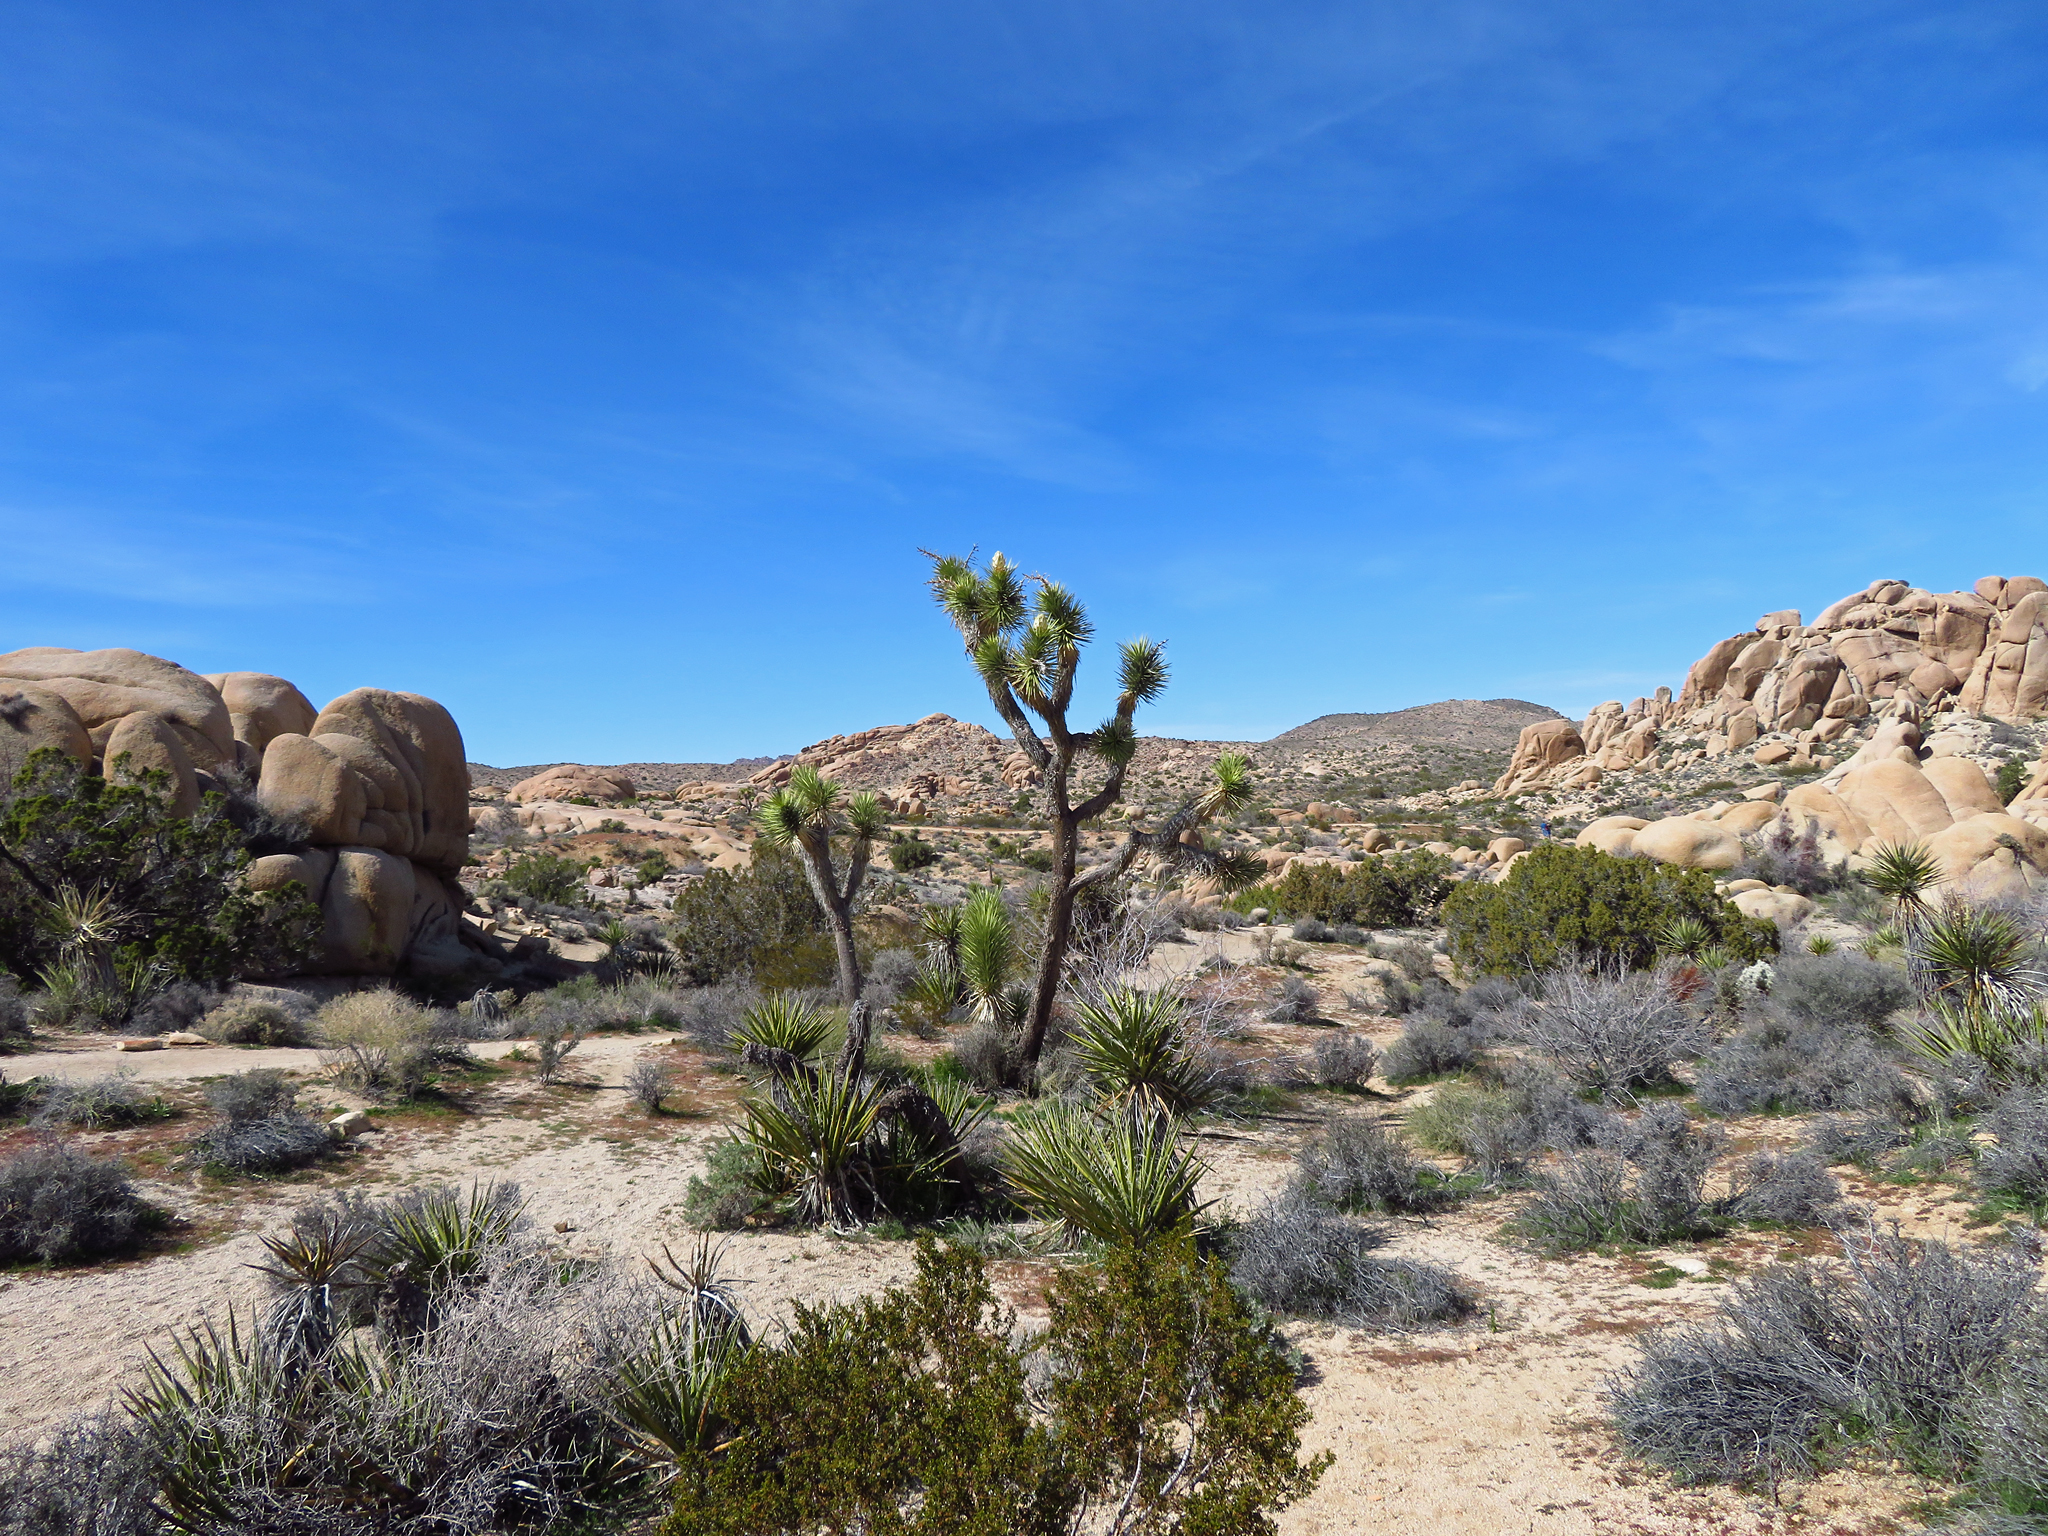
[349,1123]
[563,1226]
[186,1037]
[151,1044]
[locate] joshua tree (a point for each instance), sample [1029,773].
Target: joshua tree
[805,815]
[1027,648]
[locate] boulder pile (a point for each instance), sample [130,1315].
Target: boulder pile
[378,781]
[909,766]
[1888,652]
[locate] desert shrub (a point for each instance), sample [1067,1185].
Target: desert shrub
[175,906]
[1311,930]
[1865,1140]
[91,1477]
[1431,1046]
[1611,1032]
[58,1206]
[1564,906]
[1359,1166]
[19,1098]
[98,1102]
[1414,958]
[253,1021]
[382,1044]
[1785,857]
[1162,1395]
[1500,1129]
[2006,1421]
[1839,988]
[1119,1179]
[1295,1001]
[553,1044]
[1888,1345]
[650,1081]
[1343,1061]
[1299,1260]
[547,877]
[1395,890]
[709,1015]
[760,923]
[724,1195]
[986,1056]
[1781,1063]
[912,854]
[266,1144]
[2013,1170]
[14,1012]
[890,973]
[1646,1182]
[255,1095]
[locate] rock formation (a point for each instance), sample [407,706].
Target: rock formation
[377,780]
[912,764]
[1888,652]
[566,781]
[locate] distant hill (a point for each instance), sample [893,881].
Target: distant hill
[1480,724]
[645,776]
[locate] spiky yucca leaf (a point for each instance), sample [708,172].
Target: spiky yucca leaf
[2012,1045]
[785,1021]
[1977,960]
[665,1396]
[1685,936]
[813,1147]
[988,956]
[1133,1047]
[1118,1179]
[448,1237]
[1903,873]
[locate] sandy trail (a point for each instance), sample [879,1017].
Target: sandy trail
[1488,1428]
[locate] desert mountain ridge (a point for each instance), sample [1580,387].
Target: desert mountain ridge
[940,758]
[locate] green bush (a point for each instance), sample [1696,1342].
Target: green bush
[2012,778]
[547,877]
[167,888]
[912,853]
[762,922]
[1397,890]
[1578,906]
[909,1412]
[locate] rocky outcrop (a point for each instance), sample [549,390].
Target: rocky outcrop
[377,781]
[936,757]
[569,781]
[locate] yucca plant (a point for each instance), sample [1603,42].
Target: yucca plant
[1114,1179]
[988,960]
[805,816]
[1820,944]
[1133,1047]
[666,1394]
[93,978]
[933,994]
[1685,937]
[1973,959]
[785,1021]
[215,1412]
[1903,874]
[310,1265]
[446,1239]
[813,1148]
[2012,1045]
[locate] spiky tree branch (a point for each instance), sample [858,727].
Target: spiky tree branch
[1026,645]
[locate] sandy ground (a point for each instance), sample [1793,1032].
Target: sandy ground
[1489,1428]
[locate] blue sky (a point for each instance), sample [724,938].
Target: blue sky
[599,369]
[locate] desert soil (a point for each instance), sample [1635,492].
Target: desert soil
[1488,1428]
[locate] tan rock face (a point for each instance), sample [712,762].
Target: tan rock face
[262,708]
[1693,844]
[31,718]
[569,780]
[139,744]
[105,687]
[1542,747]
